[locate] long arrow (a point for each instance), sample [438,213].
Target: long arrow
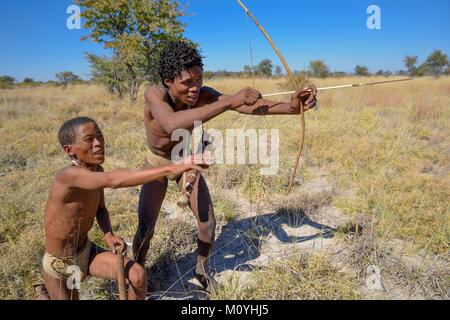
[338,87]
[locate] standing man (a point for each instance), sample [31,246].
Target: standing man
[181,100]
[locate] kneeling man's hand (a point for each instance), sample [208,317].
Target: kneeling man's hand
[116,243]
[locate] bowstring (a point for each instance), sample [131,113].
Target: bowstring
[252,67]
[252,71]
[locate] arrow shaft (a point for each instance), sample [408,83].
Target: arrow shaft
[337,87]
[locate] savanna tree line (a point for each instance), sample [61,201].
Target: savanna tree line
[134,31]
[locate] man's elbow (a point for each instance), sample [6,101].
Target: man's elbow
[117,184]
[169,129]
[169,126]
[114,182]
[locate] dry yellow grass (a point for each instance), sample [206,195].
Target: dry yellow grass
[385,148]
[305,277]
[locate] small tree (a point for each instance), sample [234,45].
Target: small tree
[264,68]
[28,80]
[361,71]
[208,74]
[420,71]
[109,72]
[66,77]
[7,80]
[248,71]
[319,69]
[436,63]
[135,30]
[410,64]
[278,71]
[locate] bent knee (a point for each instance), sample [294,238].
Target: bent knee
[137,276]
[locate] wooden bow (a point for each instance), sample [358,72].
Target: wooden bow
[295,86]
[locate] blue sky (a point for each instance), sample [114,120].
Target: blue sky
[35,42]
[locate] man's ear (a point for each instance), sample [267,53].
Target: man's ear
[168,83]
[69,151]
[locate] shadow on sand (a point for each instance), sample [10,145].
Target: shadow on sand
[239,243]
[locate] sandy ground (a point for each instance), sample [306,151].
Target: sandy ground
[253,239]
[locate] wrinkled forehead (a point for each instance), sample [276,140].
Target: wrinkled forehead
[86,129]
[191,73]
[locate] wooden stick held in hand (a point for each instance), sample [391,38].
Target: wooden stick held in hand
[187,185]
[121,274]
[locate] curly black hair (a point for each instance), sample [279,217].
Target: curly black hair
[177,56]
[66,134]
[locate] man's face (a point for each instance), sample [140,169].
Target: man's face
[186,87]
[89,145]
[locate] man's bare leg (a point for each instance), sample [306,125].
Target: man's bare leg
[151,198]
[104,265]
[201,206]
[58,289]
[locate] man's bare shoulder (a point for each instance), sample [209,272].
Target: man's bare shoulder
[209,91]
[208,95]
[64,175]
[154,92]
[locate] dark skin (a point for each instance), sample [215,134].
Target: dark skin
[76,199]
[183,101]
[161,119]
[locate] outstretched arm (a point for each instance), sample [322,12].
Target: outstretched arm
[171,120]
[211,103]
[307,96]
[79,177]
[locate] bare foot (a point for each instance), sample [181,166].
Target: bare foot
[41,292]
